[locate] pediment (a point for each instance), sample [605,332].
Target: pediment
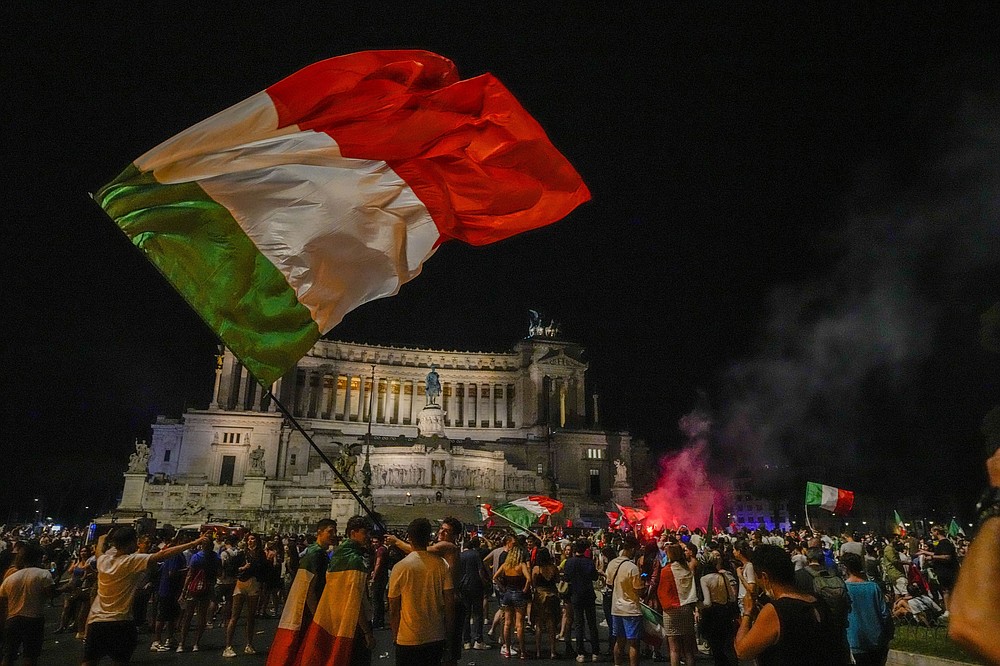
[556,357]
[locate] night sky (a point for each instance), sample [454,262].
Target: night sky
[794,215]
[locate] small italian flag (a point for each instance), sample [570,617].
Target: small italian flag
[829,498]
[524,512]
[652,626]
[900,525]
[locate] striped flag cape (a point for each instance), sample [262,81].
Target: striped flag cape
[330,638]
[279,215]
[827,497]
[288,636]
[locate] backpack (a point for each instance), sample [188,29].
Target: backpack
[832,591]
[230,565]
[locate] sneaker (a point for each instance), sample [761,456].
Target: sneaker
[155,647]
[504,652]
[249,650]
[180,648]
[229,651]
[580,658]
[481,646]
[194,648]
[466,646]
[593,657]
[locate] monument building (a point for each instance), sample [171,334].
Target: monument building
[409,427]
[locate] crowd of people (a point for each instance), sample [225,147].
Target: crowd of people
[769,595]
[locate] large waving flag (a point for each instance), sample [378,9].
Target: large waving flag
[526,511]
[329,189]
[330,637]
[829,498]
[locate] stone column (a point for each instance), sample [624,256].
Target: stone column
[135,489]
[242,396]
[347,397]
[219,361]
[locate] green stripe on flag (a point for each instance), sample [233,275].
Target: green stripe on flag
[814,494]
[202,251]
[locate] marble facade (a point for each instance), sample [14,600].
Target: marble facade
[503,425]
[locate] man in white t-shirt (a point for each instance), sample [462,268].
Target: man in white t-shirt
[111,630]
[625,579]
[421,601]
[23,595]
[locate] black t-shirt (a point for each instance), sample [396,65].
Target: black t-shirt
[945,547]
[470,566]
[806,632]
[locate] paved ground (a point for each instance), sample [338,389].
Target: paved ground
[62,649]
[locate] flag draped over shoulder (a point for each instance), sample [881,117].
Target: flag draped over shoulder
[829,498]
[526,511]
[287,637]
[329,639]
[329,189]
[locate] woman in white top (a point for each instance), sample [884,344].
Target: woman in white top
[719,610]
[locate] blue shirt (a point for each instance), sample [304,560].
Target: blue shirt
[866,628]
[580,573]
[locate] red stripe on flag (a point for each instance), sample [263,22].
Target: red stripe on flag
[845,500]
[319,648]
[479,162]
[284,648]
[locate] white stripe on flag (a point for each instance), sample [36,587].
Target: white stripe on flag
[829,498]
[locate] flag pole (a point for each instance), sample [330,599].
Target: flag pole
[808,524]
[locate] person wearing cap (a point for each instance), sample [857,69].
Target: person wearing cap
[421,600]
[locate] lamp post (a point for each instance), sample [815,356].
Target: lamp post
[366,469]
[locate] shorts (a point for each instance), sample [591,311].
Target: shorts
[427,653]
[27,631]
[514,599]
[110,639]
[250,587]
[224,592]
[168,609]
[899,586]
[628,626]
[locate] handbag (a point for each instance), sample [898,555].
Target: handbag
[196,584]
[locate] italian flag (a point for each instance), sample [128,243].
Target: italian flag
[328,641]
[900,525]
[829,498]
[329,189]
[526,511]
[288,635]
[652,626]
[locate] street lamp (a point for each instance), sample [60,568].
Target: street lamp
[366,469]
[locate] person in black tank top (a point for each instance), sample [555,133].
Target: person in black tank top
[794,628]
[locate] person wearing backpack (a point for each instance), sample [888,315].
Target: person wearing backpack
[828,587]
[720,611]
[198,589]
